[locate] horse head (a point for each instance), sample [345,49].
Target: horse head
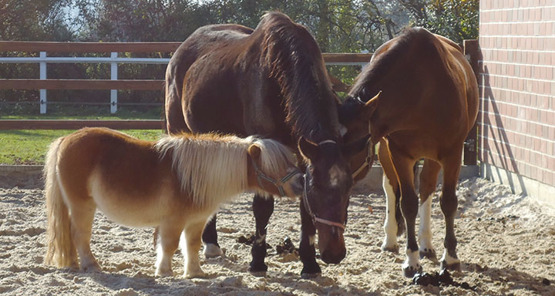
[356,115]
[327,186]
[272,168]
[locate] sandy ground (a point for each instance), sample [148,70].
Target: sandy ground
[506,245]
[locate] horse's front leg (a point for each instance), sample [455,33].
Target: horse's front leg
[263,207]
[190,247]
[409,206]
[210,239]
[307,251]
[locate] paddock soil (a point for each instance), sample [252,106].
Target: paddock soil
[506,244]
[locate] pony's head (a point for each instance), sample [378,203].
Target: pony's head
[272,168]
[326,192]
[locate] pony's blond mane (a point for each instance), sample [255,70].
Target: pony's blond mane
[212,168]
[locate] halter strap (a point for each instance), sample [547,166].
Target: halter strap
[367,161]
[316,219]
[327,142]
[277,183]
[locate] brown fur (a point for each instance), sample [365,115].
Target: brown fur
[428,104]
[139,183]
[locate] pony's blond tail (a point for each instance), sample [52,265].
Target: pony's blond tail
[60,248]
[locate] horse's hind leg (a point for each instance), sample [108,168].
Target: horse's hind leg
[263,207]
[168,242]
[428,183]
[449,203]
[82,217]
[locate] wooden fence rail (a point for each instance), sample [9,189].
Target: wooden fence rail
[471,50]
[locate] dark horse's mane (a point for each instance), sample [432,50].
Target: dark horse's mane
[294,60]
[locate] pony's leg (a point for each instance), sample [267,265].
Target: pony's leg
[449,203]
[391,189]
[82,217]
[307,252]
[190,248]
[210,239]
[168,242]
[428,183]
[263,207]
[409,205]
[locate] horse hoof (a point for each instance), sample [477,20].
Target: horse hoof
[92,268]
[429,253]
[196,274]
[310,273]
[410,271]
[256,268]
[456,266]
[392,249]
[305,275]
[212,251]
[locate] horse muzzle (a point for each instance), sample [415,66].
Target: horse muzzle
[331,244]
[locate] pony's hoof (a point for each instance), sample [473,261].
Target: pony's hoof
[410,271]
[163,273]
[392,248]
[212,251]
[196,274]
[429,253]
[93,267]
[456,266]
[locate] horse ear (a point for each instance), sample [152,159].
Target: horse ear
[355,147]
[371,105]
[308,149]
[254,151]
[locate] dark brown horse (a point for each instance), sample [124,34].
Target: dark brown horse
[272,82]
[418,98]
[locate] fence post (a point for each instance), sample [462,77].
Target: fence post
[472,54]
[42,92]
[114,76]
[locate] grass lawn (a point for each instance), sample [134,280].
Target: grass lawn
[29,147]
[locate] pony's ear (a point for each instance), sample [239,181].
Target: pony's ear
[308,149]
[371,105]
[355,147]
[254,151]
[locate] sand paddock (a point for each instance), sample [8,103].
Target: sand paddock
[506,245]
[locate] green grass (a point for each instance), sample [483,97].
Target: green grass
[29,147]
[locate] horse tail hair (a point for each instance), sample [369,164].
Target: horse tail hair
[60,251]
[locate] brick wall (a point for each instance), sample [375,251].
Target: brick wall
[517,118]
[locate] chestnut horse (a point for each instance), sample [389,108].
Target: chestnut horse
[174,184]
[427,105]
[270,81]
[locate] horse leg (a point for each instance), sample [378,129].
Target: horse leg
[190,248]
[263,207]
[210,239]
[449,203]
[428,183]
[82,217]
[307,252]
[391,189]
[409,206]
[168,242]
